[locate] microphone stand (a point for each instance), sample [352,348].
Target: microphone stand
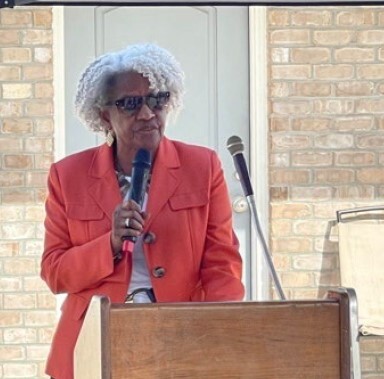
[267,256]
[236,147]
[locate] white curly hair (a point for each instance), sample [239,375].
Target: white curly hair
[153,62]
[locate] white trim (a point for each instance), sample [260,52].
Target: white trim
[260,281]
[58,82]
[59,99]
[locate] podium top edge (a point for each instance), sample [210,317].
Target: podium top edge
[232,305]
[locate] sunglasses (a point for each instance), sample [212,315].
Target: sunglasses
[132,104]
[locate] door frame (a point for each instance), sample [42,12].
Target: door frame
[260,282]
[259,168]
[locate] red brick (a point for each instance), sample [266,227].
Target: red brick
[291,72]
[11,319]
[334,176]
[353,192]
[10,284]
[16,18]
[42,18]
[312,194]
[312,18]
[311,124]
[311,89]
[333,37]
[370,175]
[20,161]
[9,37]
[280,55]
[277,17]
[21,265]
[353,158]
[37,37]
[284,141]
[16,55]
[334,141]
[291,107]
[290,36]
[290,211]
[292,245]
[314,55]
[281,228]
[11,179]
[17,196]
[17,126]
[372,105]
[9,73]
[354,54]
[335,71]
[353,123]
[279,160]
[297,279]
[370,71]
[357,17]
[311,159]
[371,37]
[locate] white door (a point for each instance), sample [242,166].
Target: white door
[212,46]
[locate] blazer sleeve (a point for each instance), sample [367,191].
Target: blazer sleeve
[221,268]
[67,267]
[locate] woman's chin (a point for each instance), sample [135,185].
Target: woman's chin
[148,140]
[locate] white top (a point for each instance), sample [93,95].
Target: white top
[140,275]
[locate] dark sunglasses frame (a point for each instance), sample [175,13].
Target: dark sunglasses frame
[132,104]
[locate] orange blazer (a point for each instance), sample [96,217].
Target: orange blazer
[189,245]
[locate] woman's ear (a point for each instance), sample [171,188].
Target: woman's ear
[105,118]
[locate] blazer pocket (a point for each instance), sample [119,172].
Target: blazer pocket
[84,212]
[189,200]
[86,222]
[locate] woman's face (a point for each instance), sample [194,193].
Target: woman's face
[142,128]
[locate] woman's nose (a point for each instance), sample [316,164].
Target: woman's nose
[145,113]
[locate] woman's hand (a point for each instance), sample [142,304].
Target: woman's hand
[128,221]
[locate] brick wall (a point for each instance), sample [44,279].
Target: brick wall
[26,126]
[326,70]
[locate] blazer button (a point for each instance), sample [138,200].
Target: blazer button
[158,272]
[149,237]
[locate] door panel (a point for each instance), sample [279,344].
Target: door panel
[171,28]
[212,47]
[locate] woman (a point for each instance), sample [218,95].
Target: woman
[185,248]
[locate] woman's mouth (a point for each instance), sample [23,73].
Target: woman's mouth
[146,129]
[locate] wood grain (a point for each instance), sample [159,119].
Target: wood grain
[284,340]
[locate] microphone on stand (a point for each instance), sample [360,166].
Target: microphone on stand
[236,147]
[141,167]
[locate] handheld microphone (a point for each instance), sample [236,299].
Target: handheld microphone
[141,167]
[236,147]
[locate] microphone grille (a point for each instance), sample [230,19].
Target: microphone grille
[235,145]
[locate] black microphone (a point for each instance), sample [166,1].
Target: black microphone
[141,166]
[236,147]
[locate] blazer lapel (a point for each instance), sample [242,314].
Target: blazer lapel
[165,178]
[104,188]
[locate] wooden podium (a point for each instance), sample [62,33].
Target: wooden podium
[262,340]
